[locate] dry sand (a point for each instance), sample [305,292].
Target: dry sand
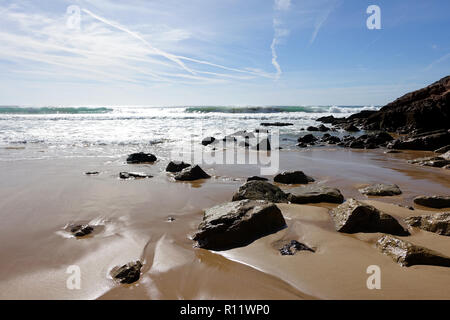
[40,197]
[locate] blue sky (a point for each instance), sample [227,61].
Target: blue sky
[227,52]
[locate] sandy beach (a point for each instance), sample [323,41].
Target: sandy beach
[39,198]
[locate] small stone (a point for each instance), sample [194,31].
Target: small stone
[127,273]
[293,247]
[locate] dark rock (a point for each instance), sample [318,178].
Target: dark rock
[229,139]
[261,131]
[208,140]
[264,145]
[436,202]
[170,219]
[81,230]
[315,194]
[293,177]
[237,224]
[176,166]
[437,222]
[260,190]
[141,157]
[92,173]
[256,178]
[323,128]
[437,162]
[311,128]
[351,128]
[127,273]
[331,139]
[191,174]
[307,139]
[407,254]
[276,124]
[381,190]
[354,216]
[392,151]
[302,145]
[293,247]
[134,175]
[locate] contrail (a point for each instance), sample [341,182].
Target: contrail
[174,58]
[137,36]
[279,6]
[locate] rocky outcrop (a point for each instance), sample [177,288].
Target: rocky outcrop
[128,273]
[260,190]
[141,157]
[237,224]
[368,141]
[208,140]
[381,190]
[354,216]
[436,202]
[315,194]
[408,254]
[351,128]
[437,222]
[176,166]
[292,177]
[428,141]
[191,174]
[292,247]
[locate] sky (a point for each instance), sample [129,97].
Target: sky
[227,52]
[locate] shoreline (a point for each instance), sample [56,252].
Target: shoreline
[40,197]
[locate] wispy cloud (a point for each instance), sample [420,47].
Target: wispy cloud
[280,6]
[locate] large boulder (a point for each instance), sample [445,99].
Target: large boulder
[381,189]
[260,190]
[408,254]
[176,166]
[141,157]
[315,194]
[437,222]
[292,177]
[354,216]
[437,202]
[191,174]
[236,224]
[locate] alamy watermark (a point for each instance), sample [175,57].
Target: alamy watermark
[374,20]
[374,280]
[73,17]
[73,282]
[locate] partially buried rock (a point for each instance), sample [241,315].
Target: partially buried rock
[134,175]
[443,149]
[260,190]
[351,128]
[436,202]
[293,247]
[315,194]
[92,173]
[128,273]
[141,157]
[256,178]
[381,190]
[191,174]
[408,254]
[437,222]
[293,177]
[208,141]
[236,224]
[176,166]
[437,162]
[354,216]
[81,230]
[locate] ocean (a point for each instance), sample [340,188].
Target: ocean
[46,132]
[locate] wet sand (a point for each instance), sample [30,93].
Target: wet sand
[40,197]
